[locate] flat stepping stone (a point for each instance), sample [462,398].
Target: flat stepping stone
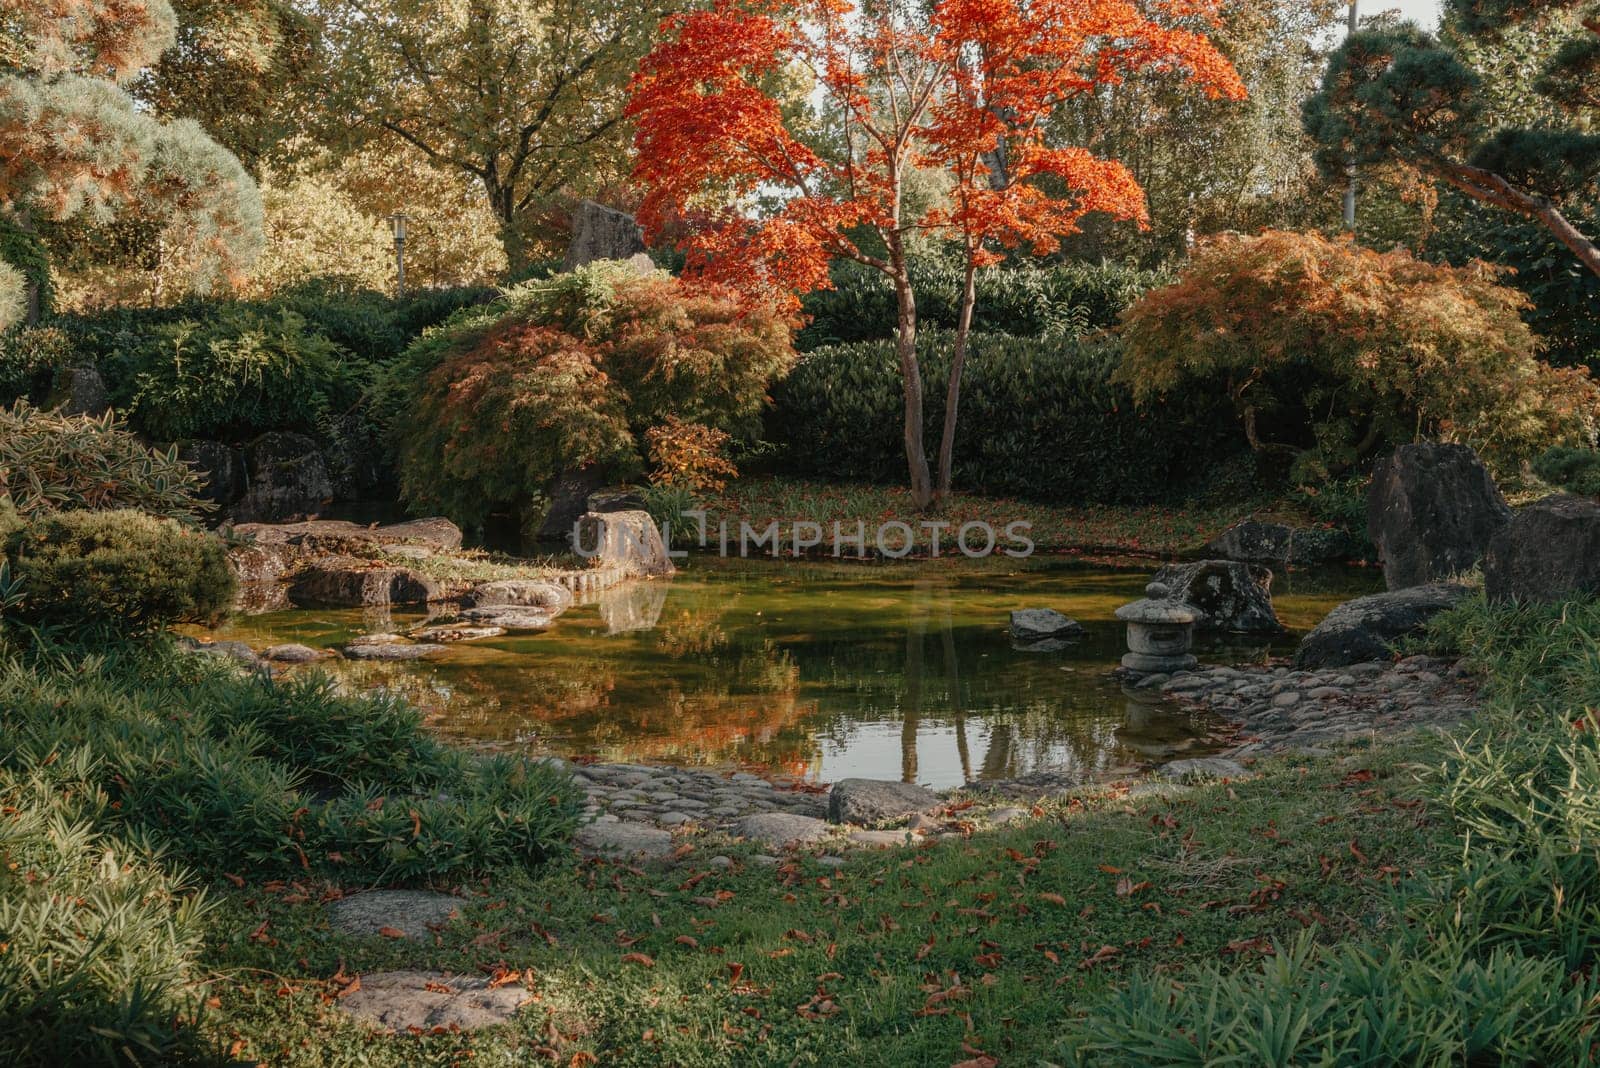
[423,1001]
[782,830]
[376,639]
[881,839]
[413,913]
[623,840]
[459,633]
[509,618]
[1203,768]
[293,653]
[1039,624]
[876,800]
[392,651]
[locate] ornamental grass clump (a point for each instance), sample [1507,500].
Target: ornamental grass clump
[56,463]
[254,776]
[1492,961]
[100,930]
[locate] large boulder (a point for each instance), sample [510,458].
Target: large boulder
[875,800]
[1255,542]
[568,494]
[317,536]
[359,465]
[602,233]
[628,541]
[1549,551]
[287,478]
[221,470]
[1431,512]
[1367,627]
[1226,595]
[81,391]
[349,582]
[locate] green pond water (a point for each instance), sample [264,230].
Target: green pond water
[816,669]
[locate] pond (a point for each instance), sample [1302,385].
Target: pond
[819,670]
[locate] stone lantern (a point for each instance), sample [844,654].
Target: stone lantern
[1160,633]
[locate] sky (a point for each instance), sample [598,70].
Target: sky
[1425,12]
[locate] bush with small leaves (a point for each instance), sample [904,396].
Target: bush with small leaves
[122,569]
[689,455]
[1574,470]
[238,374]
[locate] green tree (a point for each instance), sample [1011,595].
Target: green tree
[524,96]
[1399,96]
[1209,165]
[243,69]
[73,143]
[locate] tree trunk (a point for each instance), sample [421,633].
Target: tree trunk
[911,381]
[1491,188]
[952,397]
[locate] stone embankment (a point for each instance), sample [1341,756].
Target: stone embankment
[1280,709]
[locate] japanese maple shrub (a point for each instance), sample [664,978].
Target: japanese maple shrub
[1329,352]
[572,373]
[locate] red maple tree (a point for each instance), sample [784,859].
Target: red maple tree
[895,86]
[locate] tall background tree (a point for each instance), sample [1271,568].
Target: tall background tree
[1399,97]
[1209,164]
[523,97]
[74,144]
[960,89]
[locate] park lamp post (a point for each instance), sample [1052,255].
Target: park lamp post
[397,224]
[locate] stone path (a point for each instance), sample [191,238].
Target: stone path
[1279,709]
[424,1001]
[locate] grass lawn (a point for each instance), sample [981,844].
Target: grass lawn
[959,951]
[1145,529]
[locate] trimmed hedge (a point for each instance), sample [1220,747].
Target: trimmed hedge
[120,568]
[1026,300]
[1039,418]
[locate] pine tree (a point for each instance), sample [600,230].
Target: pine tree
[1398,96]
[74,144]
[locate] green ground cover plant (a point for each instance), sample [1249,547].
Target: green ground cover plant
[133,775]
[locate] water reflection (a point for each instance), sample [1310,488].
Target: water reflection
[885,671]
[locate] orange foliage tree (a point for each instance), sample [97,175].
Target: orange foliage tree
[893,87]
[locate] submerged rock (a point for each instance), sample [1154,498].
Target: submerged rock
[293,653]
[457,633]
[1043,624]
[1367,627]
[391,650]
[509,617]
